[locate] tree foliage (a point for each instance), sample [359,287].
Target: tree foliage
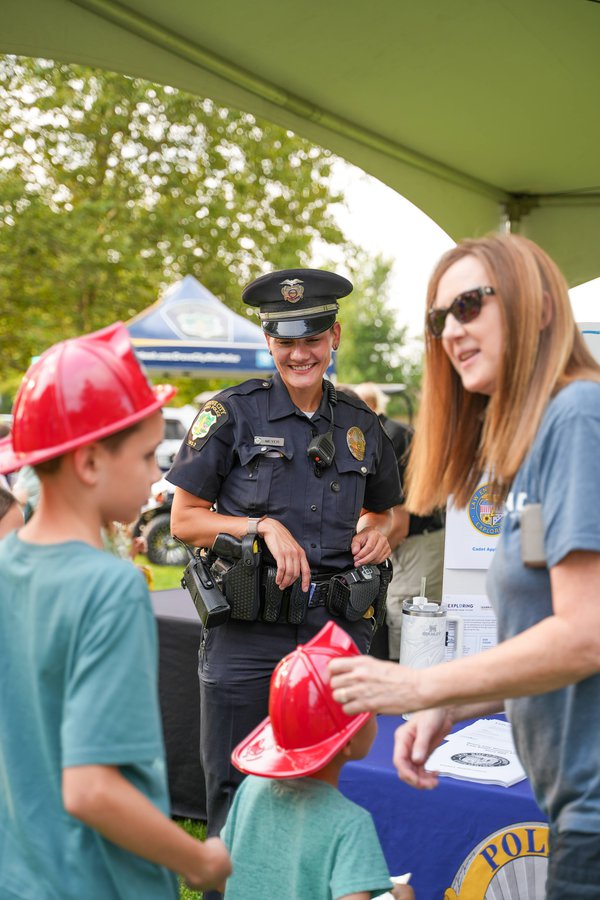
[112,187]
[373,345]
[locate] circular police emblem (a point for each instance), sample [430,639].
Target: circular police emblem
[480,759]
[510,863]
[356,442]
[292,290]
[485,516]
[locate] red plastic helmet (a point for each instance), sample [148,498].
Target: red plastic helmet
[79,391]
[305,727]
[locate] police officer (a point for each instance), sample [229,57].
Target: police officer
[313,474]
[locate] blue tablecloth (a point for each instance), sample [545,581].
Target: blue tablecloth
[431,833]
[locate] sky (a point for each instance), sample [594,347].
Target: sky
[381,221]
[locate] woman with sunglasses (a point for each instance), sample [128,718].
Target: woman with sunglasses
[512,395]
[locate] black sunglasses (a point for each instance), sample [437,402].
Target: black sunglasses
[464,308]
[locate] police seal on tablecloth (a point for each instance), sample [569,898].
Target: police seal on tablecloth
[510,864]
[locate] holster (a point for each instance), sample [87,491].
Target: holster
[238,572]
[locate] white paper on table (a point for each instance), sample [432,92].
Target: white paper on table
[482,752]
[479,620]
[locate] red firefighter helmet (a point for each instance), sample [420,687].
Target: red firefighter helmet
[79,391]
[305,727]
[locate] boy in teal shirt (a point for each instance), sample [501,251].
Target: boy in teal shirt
[290,831]
[84,809]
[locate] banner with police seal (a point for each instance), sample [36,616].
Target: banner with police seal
[510,864]
[472,533]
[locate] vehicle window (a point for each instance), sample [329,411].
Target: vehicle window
[174,430]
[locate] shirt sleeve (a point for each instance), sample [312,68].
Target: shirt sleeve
[111,713]
[200,470]
[569,485]
[383,489]
[359,861]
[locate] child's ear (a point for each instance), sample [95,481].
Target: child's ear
[347,749]
[86,463]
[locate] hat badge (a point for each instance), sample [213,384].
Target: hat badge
[292,289]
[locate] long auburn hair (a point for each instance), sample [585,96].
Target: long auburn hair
[462,437]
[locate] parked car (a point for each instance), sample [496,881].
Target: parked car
[177,422]
[155,524]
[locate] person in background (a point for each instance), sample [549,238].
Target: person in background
[11,514]
[289,824]
[313,475]
[26,489]
[84,805]
[512,393]
[417,542]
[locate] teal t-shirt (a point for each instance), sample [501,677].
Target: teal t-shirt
[300,839]
[79,666]
[556,732]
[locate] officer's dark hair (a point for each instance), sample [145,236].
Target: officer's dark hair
[112,442]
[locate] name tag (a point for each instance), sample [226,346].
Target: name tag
[269,441]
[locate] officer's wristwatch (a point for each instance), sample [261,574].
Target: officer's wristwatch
[253,524]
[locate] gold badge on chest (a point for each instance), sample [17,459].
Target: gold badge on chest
[356,442]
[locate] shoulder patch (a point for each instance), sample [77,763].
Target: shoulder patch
[210,418]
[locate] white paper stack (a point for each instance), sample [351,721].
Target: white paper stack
[483,751]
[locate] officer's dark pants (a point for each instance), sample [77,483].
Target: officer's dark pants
[236,661]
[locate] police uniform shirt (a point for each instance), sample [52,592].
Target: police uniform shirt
[246,451]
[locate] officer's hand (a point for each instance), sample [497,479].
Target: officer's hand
[369,546]
[288,554]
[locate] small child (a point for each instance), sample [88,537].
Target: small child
[290,834]
[84,807]
[11,514]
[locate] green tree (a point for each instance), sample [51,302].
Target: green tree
[373,345]
[112,187]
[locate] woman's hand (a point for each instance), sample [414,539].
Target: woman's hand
[369,546]
[414,743]
[289,556]
[366,684]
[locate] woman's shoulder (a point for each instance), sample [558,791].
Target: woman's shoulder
[581,397]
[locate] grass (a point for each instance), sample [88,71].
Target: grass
[163,577]
[197,830]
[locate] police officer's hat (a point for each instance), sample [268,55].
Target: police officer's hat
[296,303]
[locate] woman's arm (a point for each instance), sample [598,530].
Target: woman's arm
[193,521]
[555,652]
[104,800]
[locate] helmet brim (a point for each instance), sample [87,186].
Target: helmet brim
[11,459]
[259,753]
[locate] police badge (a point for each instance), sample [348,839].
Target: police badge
[292,290]
[356,442]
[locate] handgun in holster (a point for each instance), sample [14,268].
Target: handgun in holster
[235,566]
[211,605]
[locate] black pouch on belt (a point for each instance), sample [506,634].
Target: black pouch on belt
[241,582]
[283,606]
[274,598]
[352,593]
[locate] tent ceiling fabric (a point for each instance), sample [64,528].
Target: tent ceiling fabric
[471,110]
